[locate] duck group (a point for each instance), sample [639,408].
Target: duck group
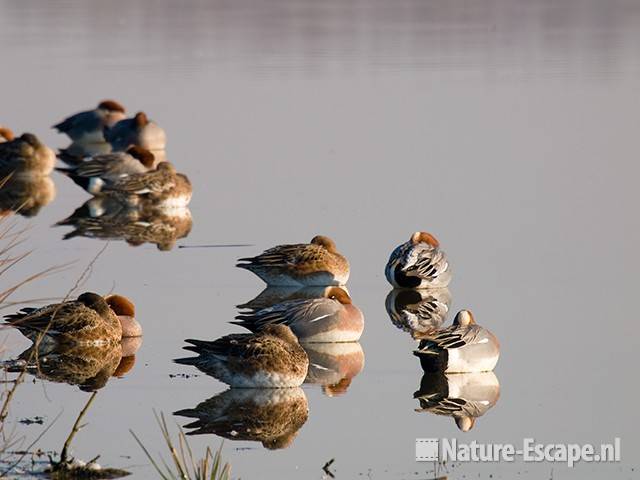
[303,328]
[137,195]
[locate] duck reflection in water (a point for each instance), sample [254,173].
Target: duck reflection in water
[89,366]
[325,321]
[25,194]
[418,311]
[133,219]
[462,396]
[272,417]
[333,365]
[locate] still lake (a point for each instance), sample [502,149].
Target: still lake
[508,129]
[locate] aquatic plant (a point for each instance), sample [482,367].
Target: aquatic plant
[185,465]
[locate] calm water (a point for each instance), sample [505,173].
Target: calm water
[509,129]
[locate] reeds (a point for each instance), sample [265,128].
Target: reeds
[185,465]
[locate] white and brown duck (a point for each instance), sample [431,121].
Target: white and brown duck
[316,263]
[26,154]
[418,263]
[271,358]
[91,318]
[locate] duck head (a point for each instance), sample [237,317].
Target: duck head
[281,331]
[125,310]
[6,134]
[325,242]
[31,139]
[337,293]
[95,302]
[141,119]
[111,106]
[424,237]
[464,318]
[144,156]
[166,167]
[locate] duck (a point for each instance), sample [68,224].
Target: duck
[317,263]
[464,347]
[87,127]
[418,311]
[333,318]
[6,134]
[272,417]
[138,130]
[90,319]
[462,396]
[26,154]
[271,358]
[154,182]
[26,194]
[92,174]
[418,263]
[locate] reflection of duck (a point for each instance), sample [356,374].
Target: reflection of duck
[418,311]
[138,130]
[26,194]
[89,319]
[272,358]
[87,126]
[463,396]
[418,263]
[270,416]
[316,263]
[327,319]
[93,173]
[462,347]
[333,365]
[77,152]
[273,295]
[87,365]
[26,154]
[134,219]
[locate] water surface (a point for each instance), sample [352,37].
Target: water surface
[508,129]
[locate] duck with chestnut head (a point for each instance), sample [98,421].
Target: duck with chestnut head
[317,263]
[418,263]
[332,318]
[87,126]
[91,318]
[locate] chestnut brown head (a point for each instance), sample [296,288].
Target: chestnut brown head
[424,237]
[111,106]
[145,157]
